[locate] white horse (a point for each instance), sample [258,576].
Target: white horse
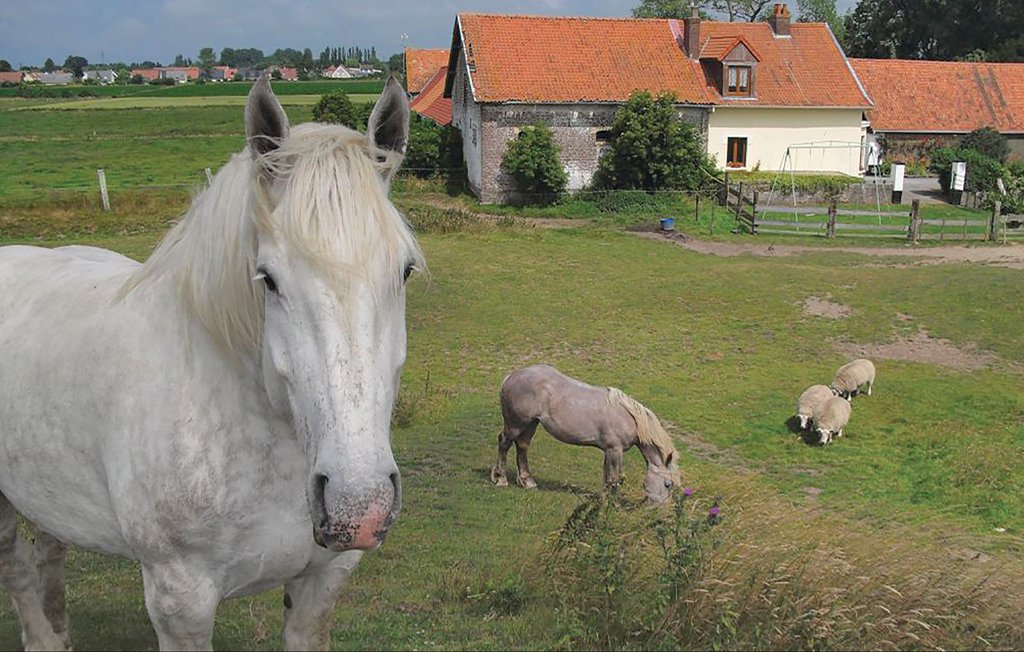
[220,413]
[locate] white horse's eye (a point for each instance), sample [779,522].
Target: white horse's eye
[407,272]
[268,280]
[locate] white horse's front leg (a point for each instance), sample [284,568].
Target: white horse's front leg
[182,602]
[309,603]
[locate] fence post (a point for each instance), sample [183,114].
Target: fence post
[830,231]
[993,224]
[725,190]
[739,203]
[696,207]
[915,221]
[209,175]
[104,197]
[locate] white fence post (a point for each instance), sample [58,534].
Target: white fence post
[103,188]
[209,176]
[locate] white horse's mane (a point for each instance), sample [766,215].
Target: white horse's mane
[333,209]
[648,428]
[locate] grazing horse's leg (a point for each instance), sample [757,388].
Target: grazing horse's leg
[50,555]
[505,440]
[19,578]
[522,446]
[309,604]
[181,603]
[612,468]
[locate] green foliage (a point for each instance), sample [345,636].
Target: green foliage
[5,65]
[982,171]
[932,30]
[424,155]
[662,9]
[988,142]
[336,107]
[652,149]
[533,162]
[821,11]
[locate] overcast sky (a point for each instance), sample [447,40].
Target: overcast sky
[157,30]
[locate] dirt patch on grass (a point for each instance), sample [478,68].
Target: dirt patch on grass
[922,347]
[1011,256]
[819,307]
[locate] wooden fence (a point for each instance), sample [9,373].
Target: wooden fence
[751,218]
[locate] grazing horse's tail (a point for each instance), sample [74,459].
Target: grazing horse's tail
[648,429]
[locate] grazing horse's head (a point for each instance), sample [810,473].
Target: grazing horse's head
[332,255]
[661,478]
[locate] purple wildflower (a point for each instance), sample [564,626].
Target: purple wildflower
[713,513]
[687,491]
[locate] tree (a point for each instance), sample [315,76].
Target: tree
[424,150]
[653,149]
[206,61]
[533,162]
[335,107]
[733,10]
[821,11]
[935,29]
[988,142]
[5,65]
[74,64]
[49,65]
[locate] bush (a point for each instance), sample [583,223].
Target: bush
[652,149]
[988,142]
[982,171]
[335,107]
[423,156]
[533,161]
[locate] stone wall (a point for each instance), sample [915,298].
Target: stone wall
[575,128]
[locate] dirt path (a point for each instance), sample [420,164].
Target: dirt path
[1002,256]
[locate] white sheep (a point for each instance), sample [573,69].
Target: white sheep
[831,417]
[852,376]
[812,397]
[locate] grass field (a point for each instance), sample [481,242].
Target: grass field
[905,533]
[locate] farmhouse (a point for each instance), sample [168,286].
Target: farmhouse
[104,77]
[921,104]
[755,92]
[12,77]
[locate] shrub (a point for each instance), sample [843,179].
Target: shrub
[533,161]
[424,152]
[982,171]
[652,149]
[988,142]
[335,107]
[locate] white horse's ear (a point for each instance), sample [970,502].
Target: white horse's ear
[266,123]
[388,126]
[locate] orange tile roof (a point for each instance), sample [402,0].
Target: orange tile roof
[431,103]
[420,66]
[548,59]
[717,47]
[552,59]
[807,69]
[943,96]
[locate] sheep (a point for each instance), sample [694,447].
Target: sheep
[852,376]
[831,417]
[812,397]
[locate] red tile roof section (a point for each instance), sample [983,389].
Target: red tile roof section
[548,59]
[551,59]
[420,66]
[807,69]
[717,47]
[431,103]
[943,96]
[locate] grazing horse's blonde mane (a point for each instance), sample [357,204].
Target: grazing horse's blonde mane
[648,428]
[333,209]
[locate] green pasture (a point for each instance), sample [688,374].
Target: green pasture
[817,542]
[236,89]
[189,101]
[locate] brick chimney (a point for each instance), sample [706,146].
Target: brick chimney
[779,20]
[693,33]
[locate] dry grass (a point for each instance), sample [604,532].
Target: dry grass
[775,575]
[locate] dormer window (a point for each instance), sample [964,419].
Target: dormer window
[738,80]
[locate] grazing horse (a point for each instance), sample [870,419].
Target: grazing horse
[220,413]
[577,413]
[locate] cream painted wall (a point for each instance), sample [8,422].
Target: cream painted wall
[770,131]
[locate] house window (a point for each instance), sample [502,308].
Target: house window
[736,153]
[738,80]
[603,139]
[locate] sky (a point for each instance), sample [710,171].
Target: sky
[158,30]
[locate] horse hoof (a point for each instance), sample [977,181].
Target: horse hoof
[528,483]
[500,482]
